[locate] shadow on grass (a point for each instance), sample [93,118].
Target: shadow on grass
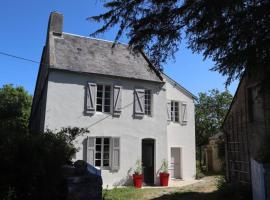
[189,196]
[203,196]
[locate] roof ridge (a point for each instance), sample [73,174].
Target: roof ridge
[94,38]
[180,86]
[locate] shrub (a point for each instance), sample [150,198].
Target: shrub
[31,163]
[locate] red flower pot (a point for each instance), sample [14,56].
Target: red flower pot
[164,179]
[137,180]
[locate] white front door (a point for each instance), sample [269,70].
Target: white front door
[175,163]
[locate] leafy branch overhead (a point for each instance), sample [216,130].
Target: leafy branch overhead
[233,33]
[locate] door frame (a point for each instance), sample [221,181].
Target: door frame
[154,155]
[180,160]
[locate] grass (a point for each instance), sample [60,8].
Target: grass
[208,189]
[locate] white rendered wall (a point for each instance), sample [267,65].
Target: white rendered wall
[65,107]
[182,136]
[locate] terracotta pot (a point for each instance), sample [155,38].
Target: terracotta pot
[164,179]
[137,180]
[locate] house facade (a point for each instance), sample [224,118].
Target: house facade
[132,111]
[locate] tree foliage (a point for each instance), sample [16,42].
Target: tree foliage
[233,33]
[15,107]
[211,109]
[31,163]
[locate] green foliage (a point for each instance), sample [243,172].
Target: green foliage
[210,109]
[10,195]
[138,167]
[31,163]
[222,30]
[164,166]
[15,107]
[199,171]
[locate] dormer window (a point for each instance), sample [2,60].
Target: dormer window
[103,103]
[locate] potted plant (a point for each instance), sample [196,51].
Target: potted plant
[163,174]
[137,176]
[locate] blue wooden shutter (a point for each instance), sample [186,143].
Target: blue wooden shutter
[91,98]
[169,112]
[91,150]
[138,102]
[117,100]
[115,154]
[184,113]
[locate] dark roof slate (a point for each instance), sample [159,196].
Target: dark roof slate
[89,55]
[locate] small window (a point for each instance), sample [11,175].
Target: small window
[147,102]
[102,155]
[103,98]
[175,111]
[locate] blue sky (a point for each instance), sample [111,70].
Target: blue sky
[23,32]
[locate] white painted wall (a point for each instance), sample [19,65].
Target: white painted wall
[65,107]
[182,136]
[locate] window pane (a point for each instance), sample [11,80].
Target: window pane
[98,147]
[106,140]
[107,94]
[107,101]
[99,101]
[99,87]
[99,94]
[107,88]
[105,163]
[147,102]
[106,156]
[97,163]
[98,140]
[99,108]
[106,148]
[106,108]
[98,155]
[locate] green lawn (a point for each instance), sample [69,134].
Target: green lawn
[204,190]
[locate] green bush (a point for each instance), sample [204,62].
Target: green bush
[199,172]
[31,163]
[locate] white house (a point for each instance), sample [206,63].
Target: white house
[131,110]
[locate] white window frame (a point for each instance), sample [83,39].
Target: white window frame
[148,112]
[173,111]
[102,153]
[103,98]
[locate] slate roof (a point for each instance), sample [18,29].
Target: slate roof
[90,55]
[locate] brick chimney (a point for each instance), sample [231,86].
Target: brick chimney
[55,25]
